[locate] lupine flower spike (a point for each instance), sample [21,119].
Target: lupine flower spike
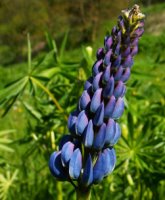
[87,155]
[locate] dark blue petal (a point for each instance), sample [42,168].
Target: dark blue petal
[87,177]
[66,153]
[84,100]
[96,81]
[126,75]
[108,42]
[64,139]
[99,139]
[117,134]
[89,135]
[118,91]
[100,53]
[82,122]
[106,74]
[99,116]
[97,67]
[56,167]
[110,131]
[96,100]
[118,74]
[72,122]
[128,61]
[75,164]
[107,58]
[119,108]
[110,107]
[108,90]
[98,169]
[111,160]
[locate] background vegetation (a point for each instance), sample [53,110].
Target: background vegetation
[42,79]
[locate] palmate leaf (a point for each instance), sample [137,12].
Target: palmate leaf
[4,141]
[6,182]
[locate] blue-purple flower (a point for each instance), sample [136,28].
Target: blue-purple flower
[87,154]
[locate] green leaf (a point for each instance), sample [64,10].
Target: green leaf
[37,115]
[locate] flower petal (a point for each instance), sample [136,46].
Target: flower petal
[84,100]
[89,135]
[99,139]
[99,116]
[66,153]
[96,81]
[108,90]
[81,123]
[110,107]
[87,177]
[75,164]
[96,100]
[119,108]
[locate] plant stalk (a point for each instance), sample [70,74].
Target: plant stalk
[83,195]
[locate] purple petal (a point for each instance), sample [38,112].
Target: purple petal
[89,135]
[84,100]
[75,164]
[100,53]
[126,75]
[108,42]
[99,116]
[99,139]
[107,57]
[134,51]
[96,100]
[110,107]
[119,89]
[87,177]
[88,83]
[106,74]
[135,41]
[118,73]
[56,167]
[96,81]
[119,108]
[110,132]
[117,62]
[128,62]
[108,90]
[66,153]
[97,67]
[126,51]
[82,122]
[117,49]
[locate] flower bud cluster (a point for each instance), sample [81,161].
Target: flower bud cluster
[87,154]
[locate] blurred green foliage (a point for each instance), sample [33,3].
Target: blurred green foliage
[36,98]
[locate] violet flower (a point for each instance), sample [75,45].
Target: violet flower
[86,156]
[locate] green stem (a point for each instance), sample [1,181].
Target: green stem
[59,190]
[83,195]
[38,83]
